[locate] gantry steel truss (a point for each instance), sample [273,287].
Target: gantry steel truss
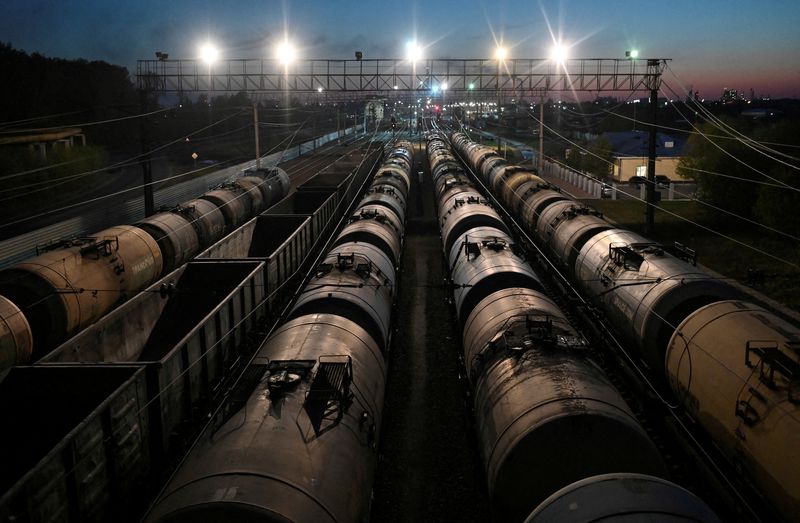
[386,76]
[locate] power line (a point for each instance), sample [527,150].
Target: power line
[737,159]
[190,222]
[686,131]
[45,117]
[765,253]
[66,179]
[746,140]
[88,124]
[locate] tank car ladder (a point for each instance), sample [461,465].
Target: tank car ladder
[329,393]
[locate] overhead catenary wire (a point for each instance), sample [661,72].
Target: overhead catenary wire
[128,161]
[22,310]
[705,171]
[730,130]
[38,169]
[111,195]
[638,282]
[704,227]
[303,164]
[686,131]
[701,202]
[200,358]
[66,179]
[116,165]
[707,136]
[43,117]
[213,415]
[89,124]
[743,139]
[732,156]
[671,408]
[695,199]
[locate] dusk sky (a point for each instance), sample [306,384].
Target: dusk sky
[712,43]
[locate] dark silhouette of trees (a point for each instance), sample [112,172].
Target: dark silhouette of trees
[732,166]
[35,85]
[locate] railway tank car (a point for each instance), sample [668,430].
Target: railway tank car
[625,497]
[644,291]
[63,290]
[546,415]
[74,283]
[736,369]
[16,338]
[733,365]
[300,443]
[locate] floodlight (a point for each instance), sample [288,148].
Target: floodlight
[413,51]
[209,53]
[558,53]
[285,53]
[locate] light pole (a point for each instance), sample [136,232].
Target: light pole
[413,55]
[541,135]
[285,53]
[500,54]
[654,81]
[558,54]
[256,132]
[444,96]
[209,54]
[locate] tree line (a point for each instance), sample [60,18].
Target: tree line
[738,176]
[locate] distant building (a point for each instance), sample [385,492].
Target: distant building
[731,96]
[629,153]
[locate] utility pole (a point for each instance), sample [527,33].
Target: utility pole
[256,132]
[147,173]
[654,77]
[541,135]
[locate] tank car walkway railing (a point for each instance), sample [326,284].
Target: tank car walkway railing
[329,392]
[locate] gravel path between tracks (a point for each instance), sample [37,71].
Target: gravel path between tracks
[429,467]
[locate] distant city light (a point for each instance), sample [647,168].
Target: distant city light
[558,53]
[471,87]
[500,53]
[285,53]
[444,86]
[435,88]
[209,53]
[413,51]
[320,89]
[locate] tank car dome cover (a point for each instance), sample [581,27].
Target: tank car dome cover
[622,495]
